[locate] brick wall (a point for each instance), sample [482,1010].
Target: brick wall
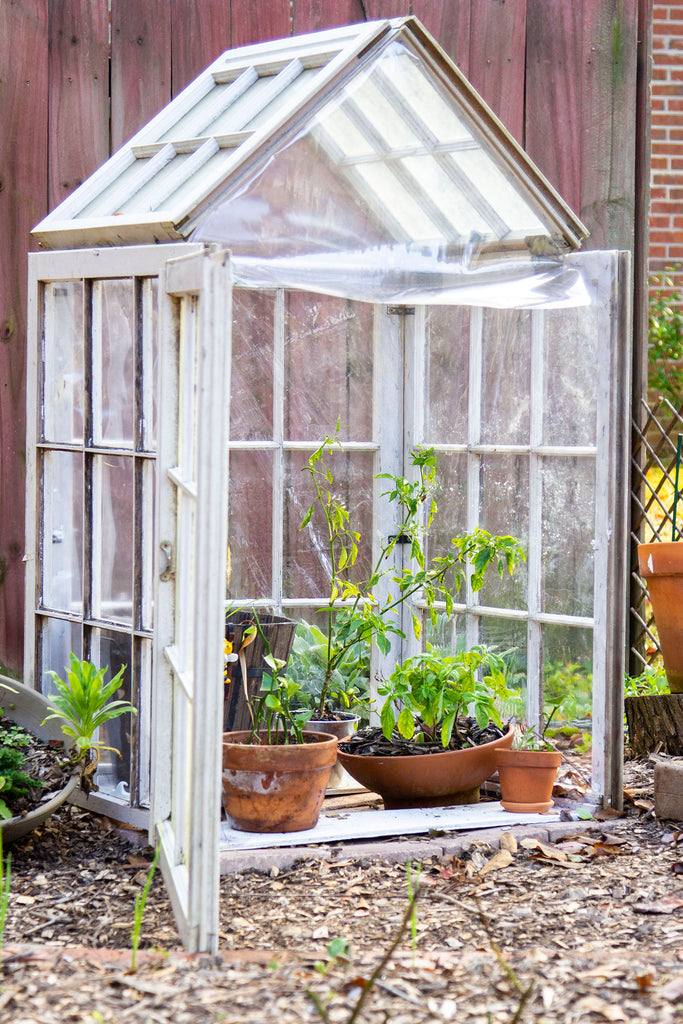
[666,205]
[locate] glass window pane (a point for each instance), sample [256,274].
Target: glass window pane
[568,673]
[380,114]
[251,387]
[328,368]
[143,544]
[389,196]
[250,525]
[306,559]
[571,341]
[114,650]
[507,377]
[62,530]
[113,313]
[509,639]
[451,500]
[504,504]
[447,332]
[57,640]
[568,524]
[63,367]
[113,537]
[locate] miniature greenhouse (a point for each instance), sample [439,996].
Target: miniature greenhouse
[326,229]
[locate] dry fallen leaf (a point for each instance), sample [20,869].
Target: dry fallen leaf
[502,859]
[645,981]
[664,905]
[673,990]
[607,1010]
[508,842]
[550,852]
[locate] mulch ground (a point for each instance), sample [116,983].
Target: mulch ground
[589,929]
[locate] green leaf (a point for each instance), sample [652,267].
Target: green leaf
[387,719]
[406,724]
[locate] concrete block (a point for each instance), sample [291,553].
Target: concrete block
[393,853]
[669,790]
[263,861]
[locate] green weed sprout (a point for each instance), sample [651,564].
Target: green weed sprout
[5,881]
[140,903]
[82,705]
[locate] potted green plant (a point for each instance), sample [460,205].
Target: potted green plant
[82,704]
[276,773]
[527,771]
[354,616]
[429,750]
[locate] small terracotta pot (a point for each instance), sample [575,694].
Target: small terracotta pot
[526,779]
[276,787]
[661,566]
[427,780]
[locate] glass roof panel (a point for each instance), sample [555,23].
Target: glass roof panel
[492,183]
[421,98]
[395,203]
[376,115]
[435,181]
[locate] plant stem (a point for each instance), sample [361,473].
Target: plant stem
[374,977]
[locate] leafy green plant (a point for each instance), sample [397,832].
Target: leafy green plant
[348,687]
[354,614]
[276,709]
[427,694]
[14,781]
[140,904]
[82,704]
[665,336]
[534,737]
[652,680]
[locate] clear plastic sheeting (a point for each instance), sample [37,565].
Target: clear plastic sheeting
[392,194]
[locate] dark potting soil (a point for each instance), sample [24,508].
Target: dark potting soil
[371,741]
[46,764]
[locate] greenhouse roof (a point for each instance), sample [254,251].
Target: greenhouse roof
[402,150]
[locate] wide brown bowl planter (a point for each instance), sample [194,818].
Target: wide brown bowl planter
[526,779]
[28,708]
[427,780]
[661,566]
[275,787]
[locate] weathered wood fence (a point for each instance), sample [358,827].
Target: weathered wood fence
[78,77]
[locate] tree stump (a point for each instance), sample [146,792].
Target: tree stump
[655,719]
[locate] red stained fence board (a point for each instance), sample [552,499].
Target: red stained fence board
[23,201]
[140,64]
[260,20]
[196,45]
[78,93]
[497,59]
[312,16]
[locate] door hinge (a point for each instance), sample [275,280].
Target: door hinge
[401,310]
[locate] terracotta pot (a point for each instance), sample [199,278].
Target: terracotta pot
[661,566]
[526,779]
[275,787]
[427,780]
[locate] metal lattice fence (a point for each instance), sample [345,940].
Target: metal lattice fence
[653,468]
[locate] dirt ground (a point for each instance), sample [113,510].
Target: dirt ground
[586,930]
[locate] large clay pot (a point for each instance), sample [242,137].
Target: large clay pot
[427,780]
[661,566]
[28,708]
[275,787]
[526,779]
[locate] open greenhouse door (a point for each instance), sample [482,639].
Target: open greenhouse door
[192,533]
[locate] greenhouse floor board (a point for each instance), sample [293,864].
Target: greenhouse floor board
[341,825]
